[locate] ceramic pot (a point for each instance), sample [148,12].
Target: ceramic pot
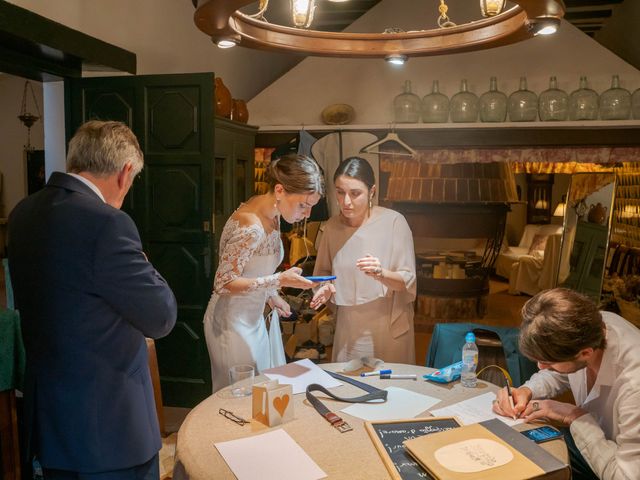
[223,99]
[597,213]
[239,111]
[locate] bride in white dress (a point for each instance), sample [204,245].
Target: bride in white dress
[250,251]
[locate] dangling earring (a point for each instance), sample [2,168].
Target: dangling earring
[370,202]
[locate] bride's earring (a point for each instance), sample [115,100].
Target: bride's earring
[370,202]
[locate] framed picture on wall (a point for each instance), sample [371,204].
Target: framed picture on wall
[34,171]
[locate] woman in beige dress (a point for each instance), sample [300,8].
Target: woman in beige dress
[370,250]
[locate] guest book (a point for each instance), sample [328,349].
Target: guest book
[485,451]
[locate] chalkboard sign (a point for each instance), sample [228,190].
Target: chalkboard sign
[388,438]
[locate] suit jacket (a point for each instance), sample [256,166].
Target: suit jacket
[87,297]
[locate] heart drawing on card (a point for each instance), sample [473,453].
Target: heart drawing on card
[280,404]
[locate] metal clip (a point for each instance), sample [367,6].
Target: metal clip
[233,417]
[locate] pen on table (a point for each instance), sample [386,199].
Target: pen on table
[400,376]
[515,417]
[377,372]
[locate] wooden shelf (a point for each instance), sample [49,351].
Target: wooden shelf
[597,133]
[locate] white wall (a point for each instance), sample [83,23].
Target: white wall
[370,85]
[13,137]
[163,36]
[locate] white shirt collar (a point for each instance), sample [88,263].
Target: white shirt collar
[89,184]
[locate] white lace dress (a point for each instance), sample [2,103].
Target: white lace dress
[234,323]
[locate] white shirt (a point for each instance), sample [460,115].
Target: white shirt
[89,184]
[609,435]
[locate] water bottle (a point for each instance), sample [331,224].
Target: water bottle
[469,361]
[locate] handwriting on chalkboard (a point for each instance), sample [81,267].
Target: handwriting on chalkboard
[388,437]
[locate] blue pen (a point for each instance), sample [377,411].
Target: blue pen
[377,372]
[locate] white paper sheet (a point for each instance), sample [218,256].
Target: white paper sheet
[271,456]
[474,410]
[400,403]
[300,374]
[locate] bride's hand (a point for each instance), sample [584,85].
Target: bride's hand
[292,278]
[323,295]
[278,304]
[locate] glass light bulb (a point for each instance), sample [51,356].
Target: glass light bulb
[489,8]
[302,12]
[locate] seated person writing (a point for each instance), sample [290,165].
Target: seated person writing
[596,355]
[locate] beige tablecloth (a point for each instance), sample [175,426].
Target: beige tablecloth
[341,455]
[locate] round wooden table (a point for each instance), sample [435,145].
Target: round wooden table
[349,455]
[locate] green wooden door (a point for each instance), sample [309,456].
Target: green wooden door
[171,201]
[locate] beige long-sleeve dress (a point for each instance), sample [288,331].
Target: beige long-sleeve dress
[371,320]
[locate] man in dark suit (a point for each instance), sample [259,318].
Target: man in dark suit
[87,298]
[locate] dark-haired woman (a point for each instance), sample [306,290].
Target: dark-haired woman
[250,251]
[370,250]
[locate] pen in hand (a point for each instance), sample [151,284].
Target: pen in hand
[515,417]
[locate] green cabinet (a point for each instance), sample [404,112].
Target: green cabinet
[233,168]
[587,259]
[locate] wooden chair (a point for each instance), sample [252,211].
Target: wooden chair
[630,264]
[9,439]
[155,379]
[617,260]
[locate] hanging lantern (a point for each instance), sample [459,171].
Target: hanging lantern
[302,12]
[28,118]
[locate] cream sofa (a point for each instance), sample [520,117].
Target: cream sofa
[511,255]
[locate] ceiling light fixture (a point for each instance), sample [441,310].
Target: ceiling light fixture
[544,25]
[227,42]
[396,59]
[223,18]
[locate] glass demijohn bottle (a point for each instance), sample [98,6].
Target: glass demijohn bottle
[583,103]
[493,104]
[615,103]
[523,104]
[464,105]
[635,104]
[469,361]
[435,106]
[407,106]
[553,103]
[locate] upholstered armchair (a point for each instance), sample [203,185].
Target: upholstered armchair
[534,273]
[532,243]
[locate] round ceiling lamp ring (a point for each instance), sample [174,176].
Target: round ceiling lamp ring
[401,44]
[222,18]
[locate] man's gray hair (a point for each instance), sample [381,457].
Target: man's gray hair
[103,148]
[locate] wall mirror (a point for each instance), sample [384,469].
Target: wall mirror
[587,224]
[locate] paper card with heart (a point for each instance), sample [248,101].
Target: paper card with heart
[272,403]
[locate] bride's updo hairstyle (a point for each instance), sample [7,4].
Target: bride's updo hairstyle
[297,174]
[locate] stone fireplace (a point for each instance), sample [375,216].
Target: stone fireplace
[457,213]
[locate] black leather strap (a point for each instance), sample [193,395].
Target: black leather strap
[374,394]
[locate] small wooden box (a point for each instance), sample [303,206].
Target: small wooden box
[272,403]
